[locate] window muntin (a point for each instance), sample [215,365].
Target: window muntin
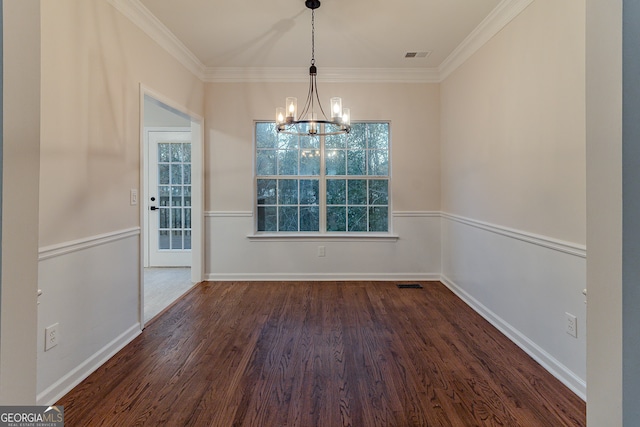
[337,183]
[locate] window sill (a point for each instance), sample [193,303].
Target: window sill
[315,237]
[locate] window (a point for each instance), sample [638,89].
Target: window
[337,183]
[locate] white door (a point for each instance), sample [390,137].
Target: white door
[169,203]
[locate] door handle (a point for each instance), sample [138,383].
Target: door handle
[154,208]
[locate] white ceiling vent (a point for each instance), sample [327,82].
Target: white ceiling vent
[417,54]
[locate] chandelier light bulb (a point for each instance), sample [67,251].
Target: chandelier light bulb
[336,108]
[292,108]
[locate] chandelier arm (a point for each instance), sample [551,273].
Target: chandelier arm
[308,104]
[315,85]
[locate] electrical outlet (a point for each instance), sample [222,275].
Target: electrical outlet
[51,337]
[133,197]
[572,325]
[320,251]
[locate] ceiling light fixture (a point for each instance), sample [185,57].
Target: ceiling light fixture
[308,123]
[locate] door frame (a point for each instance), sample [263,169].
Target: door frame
[197,190]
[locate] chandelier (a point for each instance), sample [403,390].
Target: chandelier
[308,122]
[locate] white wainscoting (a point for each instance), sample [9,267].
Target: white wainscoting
[90,287]
[233,253]
[523,284]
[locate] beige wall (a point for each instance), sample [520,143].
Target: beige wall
[93,60]
[514,184]
[413,110]
[513,128]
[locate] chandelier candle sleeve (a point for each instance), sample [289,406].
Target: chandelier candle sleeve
[346,117]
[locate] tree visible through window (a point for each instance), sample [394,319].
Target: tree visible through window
[337,183]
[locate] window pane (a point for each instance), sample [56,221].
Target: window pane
[163,174]
[288,162]
[336,191]
[378,218]
[357,191]
[288,218]
[309,142]
[357,218]
[378,135]
[378,192]
[176,174]
[187,174]
[288,192]
[187,239]
[186,151]
[356,164]
[164,218]
[288,142]
[176,218]
[176,152]
[310,162]
[336,218]
[309,192]
[176,191]
[176,239]
[266,192]
[335,163]
[329,128]
[378,162]
[266,162]
[267,218]
[187,218]
[163,152]
[266,136]
[335,141]
[310,218]
[163,240]
[357,139]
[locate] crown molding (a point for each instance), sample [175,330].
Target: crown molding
[328,75]
[499,17]
[150,25]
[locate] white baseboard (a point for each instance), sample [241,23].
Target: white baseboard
[61,387]
[557,369]
[323,277]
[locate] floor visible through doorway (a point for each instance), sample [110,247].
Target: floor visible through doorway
[162,286]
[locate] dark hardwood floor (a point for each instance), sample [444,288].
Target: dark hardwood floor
[321,354]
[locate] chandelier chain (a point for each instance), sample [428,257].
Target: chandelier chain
[313,37]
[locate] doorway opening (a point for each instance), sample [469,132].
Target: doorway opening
[171,174]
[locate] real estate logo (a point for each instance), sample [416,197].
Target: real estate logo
[31,416]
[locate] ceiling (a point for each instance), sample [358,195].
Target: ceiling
[350,34]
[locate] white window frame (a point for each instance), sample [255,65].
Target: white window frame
[322,178]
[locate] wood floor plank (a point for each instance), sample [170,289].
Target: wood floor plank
[321,354]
